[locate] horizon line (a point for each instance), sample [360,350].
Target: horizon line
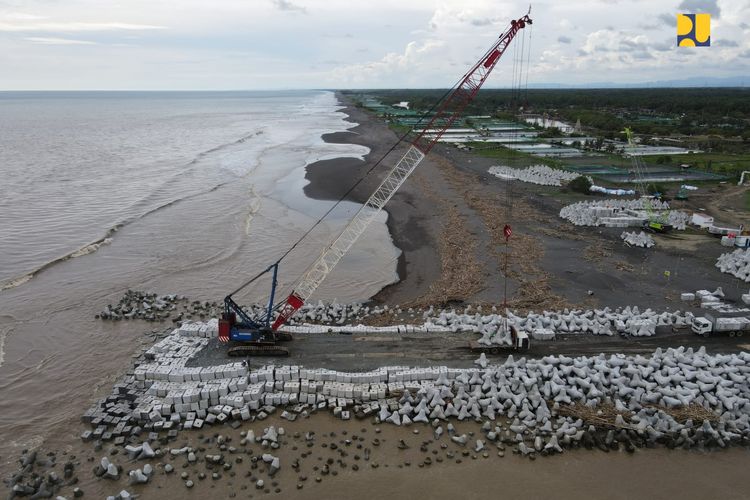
[633,86]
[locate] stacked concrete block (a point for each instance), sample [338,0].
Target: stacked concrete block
[678,219]
[736,263]
[619,213]
[641,239]
[535,174]
[209,329]
[596,322]
[543,334]
[527,391]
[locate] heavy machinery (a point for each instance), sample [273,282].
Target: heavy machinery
[254,336]
[708,324]
[257,335]
[654,223]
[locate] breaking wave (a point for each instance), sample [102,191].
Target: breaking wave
[3,335]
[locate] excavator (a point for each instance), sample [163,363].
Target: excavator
[258,335]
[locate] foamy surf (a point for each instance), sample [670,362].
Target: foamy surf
[252,210]
[84,250]
[3,335]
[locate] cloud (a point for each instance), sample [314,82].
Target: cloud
[425,43]
[664,46]
[73,26]
[414,56]
[447,16]
[693,6]
[288,6]
[20,16]
[482,22]
[636,42]
[721,42]
[642,55]
[58,41]
[668,19]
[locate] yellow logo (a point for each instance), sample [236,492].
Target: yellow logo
[693,30]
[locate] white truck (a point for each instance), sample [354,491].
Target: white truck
[708,325]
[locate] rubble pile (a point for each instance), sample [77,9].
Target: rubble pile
[136,304]
[37,477]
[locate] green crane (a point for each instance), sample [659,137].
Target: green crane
[655,223]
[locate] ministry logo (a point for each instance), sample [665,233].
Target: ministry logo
[693,30]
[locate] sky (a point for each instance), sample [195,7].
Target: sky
[300,44]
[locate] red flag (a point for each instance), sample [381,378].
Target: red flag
[507,231]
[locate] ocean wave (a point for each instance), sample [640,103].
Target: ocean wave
[84,250]
[253,209]
[4,332]
[96,245]
[241,140]
[108,236]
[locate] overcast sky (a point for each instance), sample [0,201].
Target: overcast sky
[271,44]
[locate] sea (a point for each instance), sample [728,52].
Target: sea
[190,193]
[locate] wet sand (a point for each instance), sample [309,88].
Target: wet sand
[390,472]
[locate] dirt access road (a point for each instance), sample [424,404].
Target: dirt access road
[366,352]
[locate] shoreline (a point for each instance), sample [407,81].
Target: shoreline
[418,259]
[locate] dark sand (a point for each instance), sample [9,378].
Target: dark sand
[412,222]
[392,473]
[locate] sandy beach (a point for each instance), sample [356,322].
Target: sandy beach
[447,221]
